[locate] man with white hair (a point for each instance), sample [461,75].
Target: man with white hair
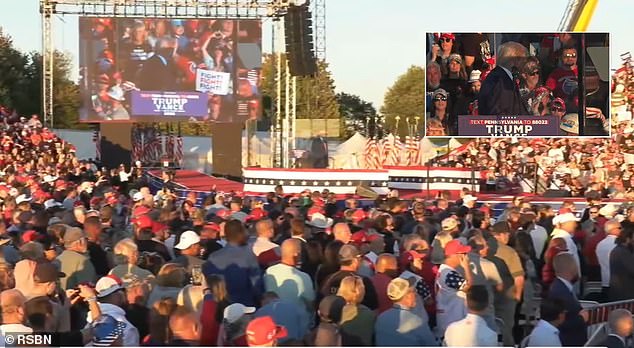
[499,94]
[604,248]
[621,327]
[565,227]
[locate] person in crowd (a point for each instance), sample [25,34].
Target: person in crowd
[169,281]
[215,300]
[233,329]
[622,267]
[264,332]
[499,94]
[621,327]
[509,265]
[604,249]
[563,80]
[126,257]
[455,81]
[239,266]
[98,256]
[189,247]
[13,313]
[440,111]
[486,274]
[288,282]
[441,50]
[74,261]
[573,330]
[350,260]
[433,75]
[294,318]
[449,230]
[546,333]
[452,285]
[357,320]
[112,299]
[185,328]
[565,227]
[330,311]
[386,269]
[530,73]
[473,330]
[400,325]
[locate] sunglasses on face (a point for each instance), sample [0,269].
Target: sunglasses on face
[440,98]
[570,55]
[533,73]
[557,109]
[446,40]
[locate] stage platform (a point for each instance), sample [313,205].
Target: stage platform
[193,181]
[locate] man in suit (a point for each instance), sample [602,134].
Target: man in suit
[500,94]
[159,71]
[621,327]
[573,331]
[319,151]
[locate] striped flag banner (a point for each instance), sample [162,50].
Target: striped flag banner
[178,151]
[397,151]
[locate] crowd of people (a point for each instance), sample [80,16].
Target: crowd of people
[95,257]
[540,81]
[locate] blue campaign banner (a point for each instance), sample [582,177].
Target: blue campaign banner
[183,104]
[508,126]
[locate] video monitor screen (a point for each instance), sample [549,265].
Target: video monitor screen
[517,84]
[150,70]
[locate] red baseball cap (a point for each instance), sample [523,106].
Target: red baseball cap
[29,236]
[212,226]
[359,237]
[455,247]
[415,255]
[257,214]
[358,216]
[448,36]
[223,213]
[262,331]
[144,221]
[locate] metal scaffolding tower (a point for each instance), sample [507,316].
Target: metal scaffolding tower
[319,23]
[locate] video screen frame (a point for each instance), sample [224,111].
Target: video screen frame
[159,69]
[473,56]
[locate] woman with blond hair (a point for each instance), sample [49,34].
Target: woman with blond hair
[169,282]
[357,320]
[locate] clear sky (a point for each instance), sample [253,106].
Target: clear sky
[371,42]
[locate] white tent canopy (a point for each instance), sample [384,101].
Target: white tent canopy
[349,155]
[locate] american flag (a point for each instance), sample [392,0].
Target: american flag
[178,151]
[169,146]
[397,151]
[371,154]
[419,152]
[410,148]
[454,280]
[137,144]
[386,148]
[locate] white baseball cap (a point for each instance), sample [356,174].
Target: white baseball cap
[563,218]
[137,196]
[188,238]
[49,178]
[51,203]
[469,198]
[22,198]
[235,311]
[107,285]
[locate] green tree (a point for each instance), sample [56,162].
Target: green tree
[315,95]
[355,113]
[405,99]
[12,64]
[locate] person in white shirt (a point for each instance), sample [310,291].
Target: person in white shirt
[451,286]
[13,314]
[565,226]
[546,333]
[604,248]
[472,331]
[288,282]
[264,229]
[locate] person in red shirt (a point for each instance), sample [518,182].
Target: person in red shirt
[563,80]
[386,269]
